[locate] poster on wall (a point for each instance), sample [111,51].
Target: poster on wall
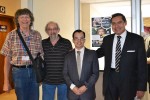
[101,27]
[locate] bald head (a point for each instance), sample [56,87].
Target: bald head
[51,23]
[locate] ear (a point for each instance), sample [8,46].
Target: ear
[58,30]
[84,40]
[73,40]
[125,23]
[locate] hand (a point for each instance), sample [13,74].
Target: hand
[140,94]
[76,90]
[82,89]
[148,60]
[7,87]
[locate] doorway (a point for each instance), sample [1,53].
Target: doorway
[6,25]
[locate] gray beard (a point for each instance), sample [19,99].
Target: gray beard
[53,37]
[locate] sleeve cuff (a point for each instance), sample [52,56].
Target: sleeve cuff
[72,86]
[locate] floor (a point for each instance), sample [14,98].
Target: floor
[8,96]
[12,96]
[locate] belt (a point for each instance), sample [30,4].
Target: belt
[113,69]
[24,66]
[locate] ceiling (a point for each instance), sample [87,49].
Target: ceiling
[100,1]
[104,1]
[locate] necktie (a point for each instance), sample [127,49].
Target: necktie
[118,53]
[79,63]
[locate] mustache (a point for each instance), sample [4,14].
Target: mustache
[53,36]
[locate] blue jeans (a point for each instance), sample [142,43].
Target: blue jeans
[25,84]
[49,92]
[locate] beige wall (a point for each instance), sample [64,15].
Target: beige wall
[61,11]
[55,10]
[147,21]
[10,6]
[85,22]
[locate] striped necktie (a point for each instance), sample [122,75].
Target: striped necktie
[118,54]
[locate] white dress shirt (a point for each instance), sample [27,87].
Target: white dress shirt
[81,55]
[122,40]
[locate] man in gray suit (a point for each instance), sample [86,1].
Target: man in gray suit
[81,77]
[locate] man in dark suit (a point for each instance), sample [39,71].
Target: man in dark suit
[81,83]
[125,73]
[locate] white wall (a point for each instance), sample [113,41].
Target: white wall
[107,9]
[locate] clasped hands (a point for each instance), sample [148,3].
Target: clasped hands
[80,90]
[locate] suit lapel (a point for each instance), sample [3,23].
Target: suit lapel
[85,57]
[74,62]
[126,44]
[110,48]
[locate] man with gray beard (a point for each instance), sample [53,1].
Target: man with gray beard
[55,48]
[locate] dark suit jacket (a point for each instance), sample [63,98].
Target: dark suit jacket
[89,74]
[133,72]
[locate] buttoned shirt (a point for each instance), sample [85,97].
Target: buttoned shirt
[123,37]
[13,47]
[81,55]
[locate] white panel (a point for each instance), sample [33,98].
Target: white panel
[77,14]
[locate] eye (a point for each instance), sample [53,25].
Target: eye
[52,29]
[79,39]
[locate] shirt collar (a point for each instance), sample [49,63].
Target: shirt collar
[30,34]
[82,49]
[123,35]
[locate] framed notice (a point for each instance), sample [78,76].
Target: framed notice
[101,27]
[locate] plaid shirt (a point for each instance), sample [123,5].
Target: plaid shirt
[14,48]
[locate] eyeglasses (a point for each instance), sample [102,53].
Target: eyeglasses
[50,29]
[79,39]
[117,23]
